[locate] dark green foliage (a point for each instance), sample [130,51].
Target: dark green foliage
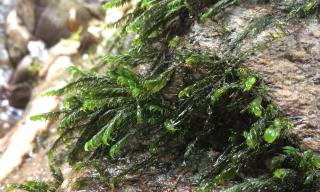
[31,186]
[39,186]
[115,3]
[290,170]
[57,176]
[303,8]
[106,116]
[216,8]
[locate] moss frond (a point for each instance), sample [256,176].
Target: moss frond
[30,186]
[115,3]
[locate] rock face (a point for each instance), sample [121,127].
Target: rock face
[290,66]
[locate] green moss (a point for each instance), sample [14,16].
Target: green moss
[31,186]
[226,109]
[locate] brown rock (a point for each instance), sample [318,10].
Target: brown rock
[292,82]
[290,67]
[19,95]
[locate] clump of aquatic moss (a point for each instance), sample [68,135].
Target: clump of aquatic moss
[226,110]
[31,186]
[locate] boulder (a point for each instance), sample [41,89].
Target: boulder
[19,95]
[25,75]
[59,19]
[23,72]
[28,67]
[17,37]
[26,11]
[19,88]
[52,26]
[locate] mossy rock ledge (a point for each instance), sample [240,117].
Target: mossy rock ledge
[289,66]
[204,101]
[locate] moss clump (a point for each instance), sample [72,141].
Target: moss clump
[168,110]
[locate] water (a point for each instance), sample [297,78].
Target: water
[5,70]
[8,115]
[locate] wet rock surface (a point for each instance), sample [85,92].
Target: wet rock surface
[291,69]
[289,66]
